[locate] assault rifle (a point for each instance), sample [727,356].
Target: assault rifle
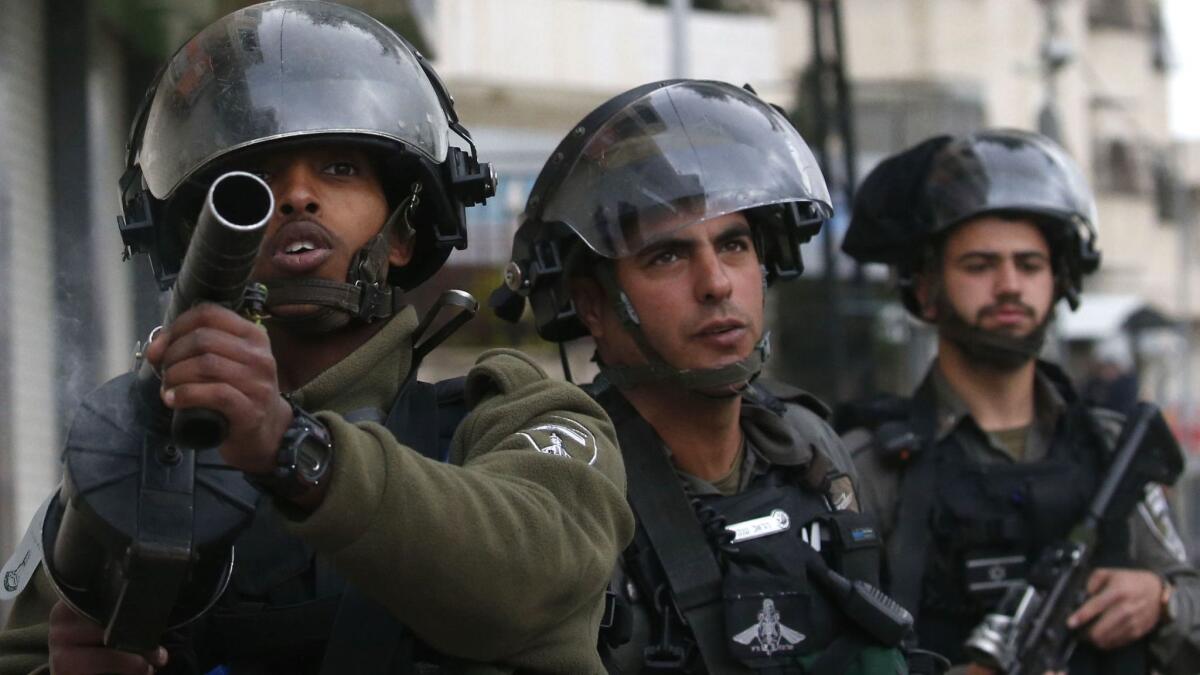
[139,536]
[1028,634]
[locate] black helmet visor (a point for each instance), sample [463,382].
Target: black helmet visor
[682,154]
[1007,171]
[287,69]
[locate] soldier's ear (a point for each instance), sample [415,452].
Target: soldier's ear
[923,289]
[590,302]
[400,249]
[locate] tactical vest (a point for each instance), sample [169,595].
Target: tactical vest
[983,525]
[288,611]
[750,603]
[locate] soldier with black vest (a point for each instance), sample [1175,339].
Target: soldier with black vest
[994,457]
[465,526]
[656,227]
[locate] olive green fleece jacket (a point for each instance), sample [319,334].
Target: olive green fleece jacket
[499,559]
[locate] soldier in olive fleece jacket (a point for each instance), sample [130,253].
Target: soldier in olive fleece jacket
[364,555]
[499,557]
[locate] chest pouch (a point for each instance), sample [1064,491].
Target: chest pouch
[991,520]
[774,615]
[282,598]
[854,545]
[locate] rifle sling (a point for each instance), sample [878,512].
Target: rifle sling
[907,549]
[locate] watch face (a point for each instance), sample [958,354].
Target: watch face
[311,458]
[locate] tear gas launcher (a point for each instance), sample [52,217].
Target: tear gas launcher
[139,537]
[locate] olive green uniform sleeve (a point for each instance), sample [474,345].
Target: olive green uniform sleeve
[23,642]
[1156,546]
[1175,644]
[504,554]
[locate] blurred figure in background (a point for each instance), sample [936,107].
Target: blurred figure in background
[1112,380]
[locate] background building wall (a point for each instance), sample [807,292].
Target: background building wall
[29,414]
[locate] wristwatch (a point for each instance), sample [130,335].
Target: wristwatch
[304,457]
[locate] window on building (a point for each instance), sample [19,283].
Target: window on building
[1120,14]
[1120,166]
[894,114]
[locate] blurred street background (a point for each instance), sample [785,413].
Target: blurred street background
[1117,82]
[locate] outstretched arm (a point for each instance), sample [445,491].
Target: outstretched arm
[510,550]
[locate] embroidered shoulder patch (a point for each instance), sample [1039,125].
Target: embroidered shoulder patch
[562,437]
[1156,511]
[841,494]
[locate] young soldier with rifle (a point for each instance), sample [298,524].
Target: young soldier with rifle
[994,459]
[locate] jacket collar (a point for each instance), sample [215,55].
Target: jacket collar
[371,376]
[1051,394]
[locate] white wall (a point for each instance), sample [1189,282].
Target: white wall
[24,158]
[107,134]
[545,63]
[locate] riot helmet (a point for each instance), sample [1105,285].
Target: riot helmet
[301,71]
[912,199]
[649,162]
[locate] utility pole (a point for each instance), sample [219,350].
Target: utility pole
[680,9]
[1184,212]
[830,94]
[1054,53]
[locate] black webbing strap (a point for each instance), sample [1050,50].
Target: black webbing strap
[666,515]
[367,302]
[413,418]
[908,547]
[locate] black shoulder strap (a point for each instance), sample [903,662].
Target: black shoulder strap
[425,416]
[364,638]
[907,548]
[667,517]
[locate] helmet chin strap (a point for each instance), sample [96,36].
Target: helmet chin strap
[365,296]
[722,382]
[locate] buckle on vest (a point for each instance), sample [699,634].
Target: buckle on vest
[616,625]
[609,618]
[665,657]
[897,442]
[668,654]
